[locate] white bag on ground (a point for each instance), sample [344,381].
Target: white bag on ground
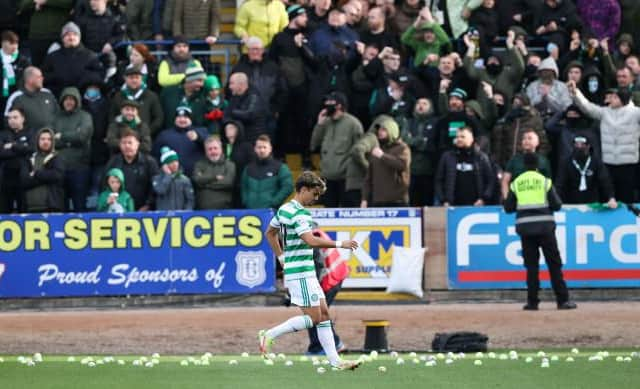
[406,271]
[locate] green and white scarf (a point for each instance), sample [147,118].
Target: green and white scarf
[8,75]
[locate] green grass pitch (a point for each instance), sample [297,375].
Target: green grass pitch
[496,371]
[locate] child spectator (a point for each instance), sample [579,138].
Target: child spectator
[214,105]
[173,189]
[115,199]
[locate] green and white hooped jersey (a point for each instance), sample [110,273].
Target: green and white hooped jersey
[293,221]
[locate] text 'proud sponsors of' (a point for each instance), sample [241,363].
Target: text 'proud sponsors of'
[145,253]
[599,249]
[377,230]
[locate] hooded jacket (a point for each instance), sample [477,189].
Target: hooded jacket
[558,98]
[387,179]
[75,129]
[358,163]
[413,38]
[507,80]
[124,198]
[138,174]
[42,178]
[212,193]
[173,192]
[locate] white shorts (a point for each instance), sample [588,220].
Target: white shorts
[305,292]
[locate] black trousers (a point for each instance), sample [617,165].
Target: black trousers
[421,190]
[623,178]
[531,254]
[335,195]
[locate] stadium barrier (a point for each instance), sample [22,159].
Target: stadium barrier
[226,252]
[217,60]
[101,254]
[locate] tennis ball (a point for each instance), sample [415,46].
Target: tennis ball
[382,369]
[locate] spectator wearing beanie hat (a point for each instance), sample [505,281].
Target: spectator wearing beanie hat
[619,135]
[190,93]
[173,189]
[46,20]
[214,105]
[72,64]
[183,137]
[454,117]
[173,68]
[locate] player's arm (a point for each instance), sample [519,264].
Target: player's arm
[274,242]
[319,243]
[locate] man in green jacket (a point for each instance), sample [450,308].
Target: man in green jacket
[73,131]
[266,182]
[504,75]
[190,93]
[213,177]
[45,24]
[335,133]
[426,38]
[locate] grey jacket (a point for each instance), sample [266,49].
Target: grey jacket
[173,192]
[619,130]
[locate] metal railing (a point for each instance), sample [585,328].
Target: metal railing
[232,47]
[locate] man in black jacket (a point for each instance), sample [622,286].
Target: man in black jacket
[72,64]
[583,178]
[265,77]
[289,49]
[246,106]
[138,168]
[15,147]
[464,175]
[100,28]
[534,198]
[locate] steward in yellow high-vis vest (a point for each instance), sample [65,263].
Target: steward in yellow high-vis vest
[534,199]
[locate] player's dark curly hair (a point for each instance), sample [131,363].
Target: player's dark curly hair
[309,179]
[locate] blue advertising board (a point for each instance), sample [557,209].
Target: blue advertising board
[135,253]
[598,248]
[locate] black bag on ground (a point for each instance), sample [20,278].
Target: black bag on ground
[459,342]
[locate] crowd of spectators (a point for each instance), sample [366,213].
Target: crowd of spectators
[408,102]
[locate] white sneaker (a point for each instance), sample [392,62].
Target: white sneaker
[348,365]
